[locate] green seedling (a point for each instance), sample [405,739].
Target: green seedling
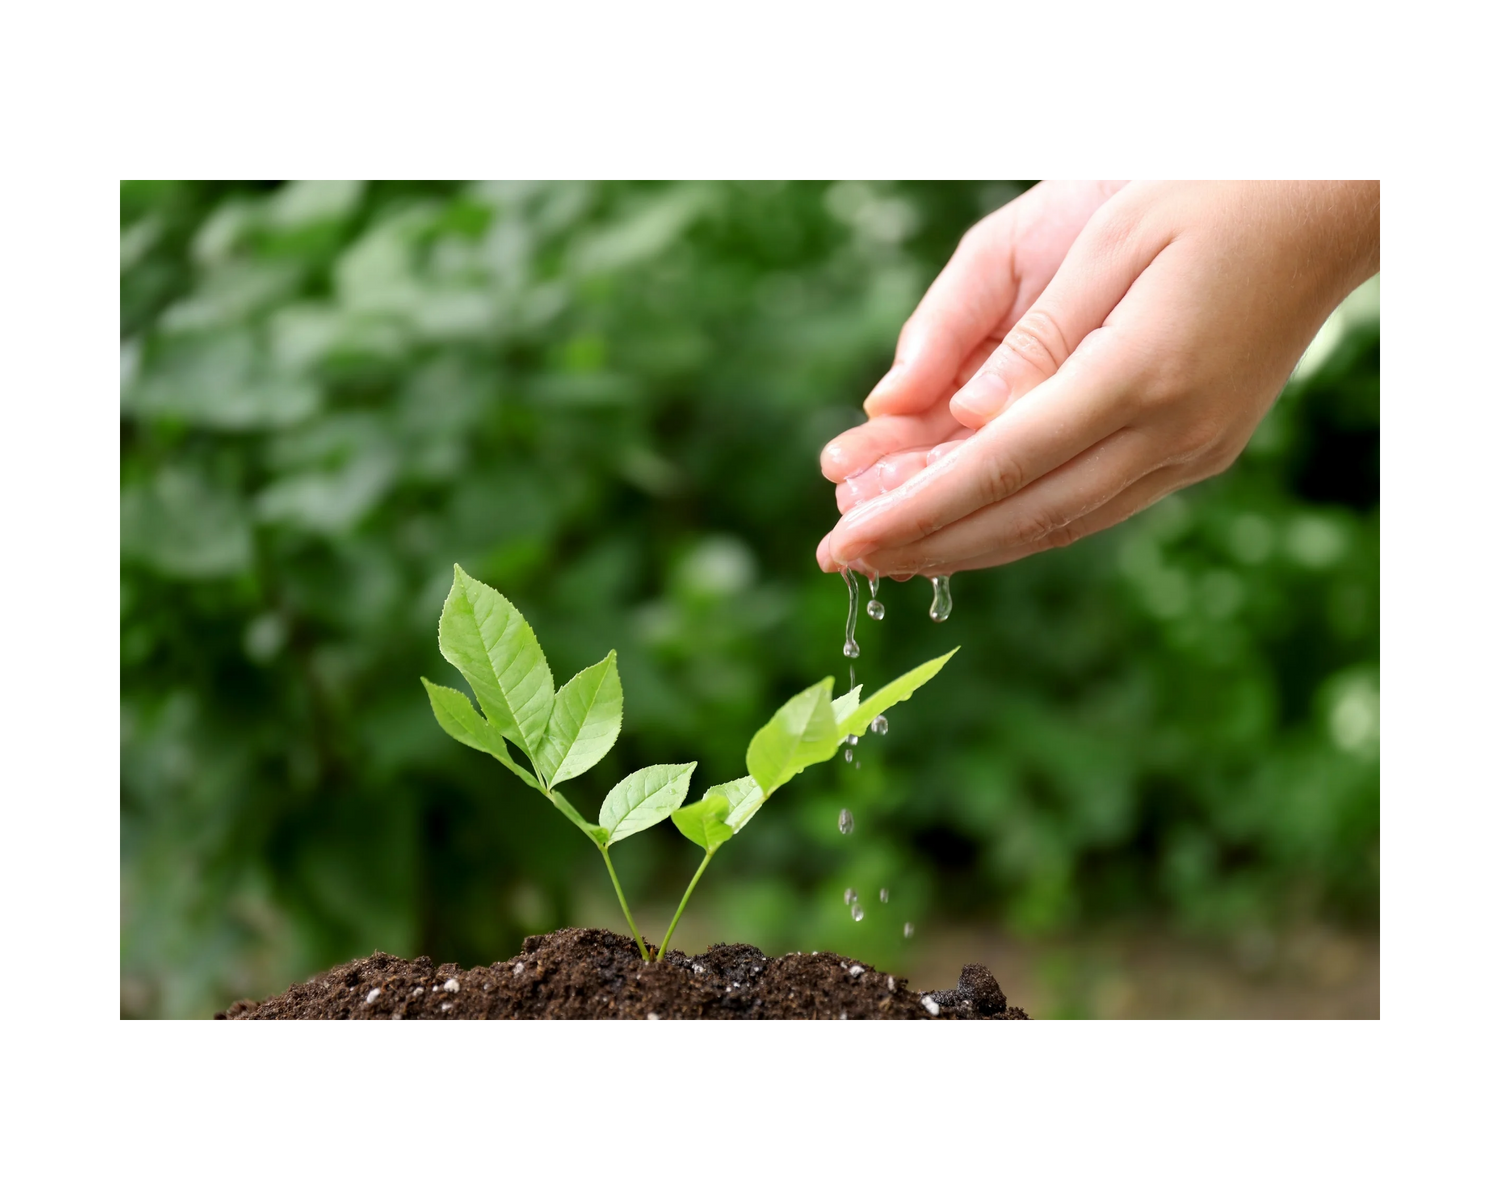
[564,732]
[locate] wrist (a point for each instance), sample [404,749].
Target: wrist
[1344,219]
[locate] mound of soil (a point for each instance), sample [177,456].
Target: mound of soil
[593,973]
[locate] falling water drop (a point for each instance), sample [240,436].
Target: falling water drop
[874,607]
[850,895]
[856,912]
[942,602]
[846,821]
[909,930]
[885,895]
[851,647]
[848,753]
[880,725]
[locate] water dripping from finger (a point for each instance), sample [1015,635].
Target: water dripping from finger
[942,599]
[851,647]
[875,608]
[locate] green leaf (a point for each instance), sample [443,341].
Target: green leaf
[484,635]
[703,823]
[745,798]
[585,722]
[893,693]
[846,703]
[643,798]
[596,833]
[801,733]
[460,722]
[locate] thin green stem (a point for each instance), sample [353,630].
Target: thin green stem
[625,908]
[685,897]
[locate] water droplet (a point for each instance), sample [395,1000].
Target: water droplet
[885,895]
[848,753]
[876,610]
[908,930]
[846,821]
[942,602]
[850,895]
[851,647]
[880,725]
[856,912]
[852,739]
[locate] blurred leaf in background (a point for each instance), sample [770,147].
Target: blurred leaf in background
[607,401]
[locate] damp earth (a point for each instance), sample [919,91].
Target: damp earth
[581,974]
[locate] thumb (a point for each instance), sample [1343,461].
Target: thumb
[966,303]
[1098,270]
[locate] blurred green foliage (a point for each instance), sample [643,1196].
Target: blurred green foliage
[607,400]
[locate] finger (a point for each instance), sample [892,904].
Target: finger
[882,476]
[1095,275]
[1140,495]
[966,302]
[1089,399]
[1052,503]
[856,449]
[825,561]
[943,449]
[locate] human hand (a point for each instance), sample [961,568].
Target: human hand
[1143,364]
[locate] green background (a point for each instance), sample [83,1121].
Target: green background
[607,401]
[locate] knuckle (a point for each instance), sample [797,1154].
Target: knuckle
[1034,527]
[1202,442]
[1115,230]
[998,477]
[1063,535]
[1037,339]
[927,524]
[1161,383]
[1219,457]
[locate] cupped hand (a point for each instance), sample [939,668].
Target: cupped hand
[999,269]
[1030,406]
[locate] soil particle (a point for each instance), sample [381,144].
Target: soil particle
[593,973]
[976,990]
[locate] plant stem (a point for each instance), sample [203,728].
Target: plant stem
[625,908]
[685,897]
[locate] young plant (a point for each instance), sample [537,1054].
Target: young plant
[563,733]
[809,728]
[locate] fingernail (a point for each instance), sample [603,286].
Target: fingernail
[981,399]
[850,555]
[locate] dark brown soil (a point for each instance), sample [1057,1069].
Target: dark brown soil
[593,973]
